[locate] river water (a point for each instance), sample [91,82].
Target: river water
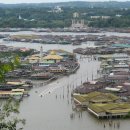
[52,110]
[66,33]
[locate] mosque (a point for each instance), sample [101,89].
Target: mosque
[51,58]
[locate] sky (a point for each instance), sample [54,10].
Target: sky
[45,1]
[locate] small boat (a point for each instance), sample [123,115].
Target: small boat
[76,43]
[58,69]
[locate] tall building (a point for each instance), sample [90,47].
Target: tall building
[75,15]
[77,22]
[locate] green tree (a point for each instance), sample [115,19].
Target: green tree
[16,60]
[4,68]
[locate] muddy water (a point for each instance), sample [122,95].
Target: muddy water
[52,110]
[49,107]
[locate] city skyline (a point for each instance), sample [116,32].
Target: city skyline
[48,1]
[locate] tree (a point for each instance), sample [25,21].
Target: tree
[8,116]
[16,60]
[4,68]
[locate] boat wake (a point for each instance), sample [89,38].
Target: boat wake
[49,90]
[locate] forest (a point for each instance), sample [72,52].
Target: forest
[38,16]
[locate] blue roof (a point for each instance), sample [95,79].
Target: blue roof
[121,45]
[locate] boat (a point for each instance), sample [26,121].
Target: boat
[42,75]
[25,93]
[8,87]
[14,85]
[76,43]
[58,69]
[11,94]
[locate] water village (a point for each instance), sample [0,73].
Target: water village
[67,39]
[65,65]
[109,95]
[38,65]
[104,97]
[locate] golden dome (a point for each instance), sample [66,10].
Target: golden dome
[53,56]
[53,53]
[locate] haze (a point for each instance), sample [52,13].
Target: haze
[45,1]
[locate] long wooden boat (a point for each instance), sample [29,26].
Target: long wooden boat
[58,69]
[9,94]
[14,85]
[14,93]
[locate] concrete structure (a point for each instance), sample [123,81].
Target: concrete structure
[75,15]
[95,17]
[57,9]
[101,17]
[77,22]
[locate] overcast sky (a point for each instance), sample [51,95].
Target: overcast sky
[45,1]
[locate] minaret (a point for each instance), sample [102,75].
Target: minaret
[72,23]
[41,53]
[20,17]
